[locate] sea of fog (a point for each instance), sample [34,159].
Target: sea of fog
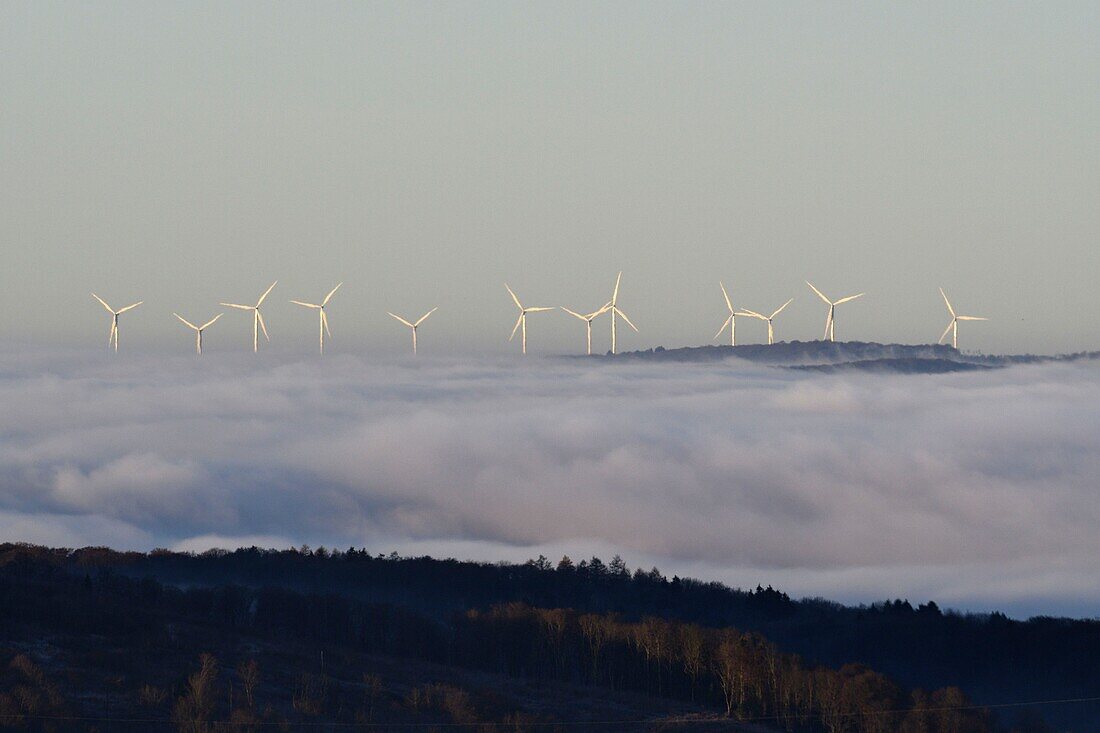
[978,489]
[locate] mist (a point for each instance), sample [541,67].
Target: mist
[972,489]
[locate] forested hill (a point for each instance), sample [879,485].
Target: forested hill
[870,356]
[994,658]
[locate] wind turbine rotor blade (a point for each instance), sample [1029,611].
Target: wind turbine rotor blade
[946,331]
[780,309]
[186,322]
[970,318]
[615,295]
[538,310]
[331,293]
[210,322]
[601,311]
[393,315]
[948,302]
[305,305]
[324,322]
[623,316]
[726,296]
[723,328]
[753,314]
[240,307]
[260,319]
[425,316]
[104,304]
[819,293]
[516,327]
[850,297]
[266,292]
[131,307]
[828,322]
[574,314]
[518,304]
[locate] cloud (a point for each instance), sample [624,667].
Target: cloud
[972,488]
[201,543]
[71,530]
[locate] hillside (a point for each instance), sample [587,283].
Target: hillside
[163,609]
[858,355]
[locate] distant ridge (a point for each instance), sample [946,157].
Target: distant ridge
[830,356]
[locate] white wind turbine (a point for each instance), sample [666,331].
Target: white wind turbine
[614,305]
[323,325]
[771,332]
[113,337]
[830,320]
[198,329]
[257,318]
[953,326]
[588,321]
[521,322]
[416,325]
[731,321]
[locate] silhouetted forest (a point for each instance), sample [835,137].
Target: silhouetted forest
[831,356]
[176,638]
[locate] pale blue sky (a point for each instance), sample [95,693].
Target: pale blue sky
[424,153]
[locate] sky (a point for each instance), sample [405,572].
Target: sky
[425,153]
[976,490]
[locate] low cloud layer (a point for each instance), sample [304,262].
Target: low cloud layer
[977,489]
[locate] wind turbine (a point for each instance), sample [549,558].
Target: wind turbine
[113,337]
[257,318]
[771,333]
[732,320]
[323,325]
[198,329]
[616,312]
[953,326]
[522,320]
[588,321]
[830,320]
[416,325]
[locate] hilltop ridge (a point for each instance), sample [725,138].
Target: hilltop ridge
[828,356]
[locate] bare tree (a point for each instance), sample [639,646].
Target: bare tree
[195,709]
[249,672]
[594,628]
[372,686]
[692,650]
[726,668]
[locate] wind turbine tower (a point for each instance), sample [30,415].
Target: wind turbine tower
[521,322]
[588,321]
[830,320]
[731,321]
[113,336]
[953,326]
[257,317]
[198,329]
[769,319]
[320,307]
[615,311]
[416,325]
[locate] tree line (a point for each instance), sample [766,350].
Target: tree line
[740,673]
[733,672]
